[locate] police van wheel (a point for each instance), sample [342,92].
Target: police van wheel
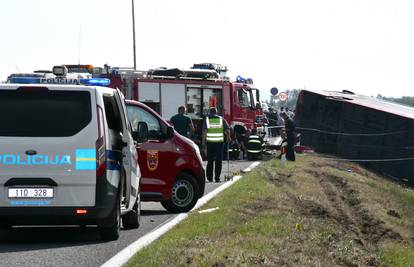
[110,227]
[132,219]
[184,194]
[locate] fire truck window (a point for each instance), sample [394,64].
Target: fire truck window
[137,114]
[194,103]
[212,98]
[244,99]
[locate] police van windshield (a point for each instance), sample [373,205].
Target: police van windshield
[43,113]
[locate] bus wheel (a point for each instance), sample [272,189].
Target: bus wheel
[184,194]
[110,227]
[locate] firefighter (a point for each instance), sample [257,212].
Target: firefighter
[254,146]
[241,134]
[232,148]
[290,136]
[215,131]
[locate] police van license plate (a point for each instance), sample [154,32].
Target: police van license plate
[31,192]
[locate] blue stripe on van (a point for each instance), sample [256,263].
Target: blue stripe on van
[85,159]
[30,202]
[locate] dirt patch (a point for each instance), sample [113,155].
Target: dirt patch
[394,213]
[257,260]
[261,206]
[343,206]
[309,207]
[351,214]
[341,165]
[278,178]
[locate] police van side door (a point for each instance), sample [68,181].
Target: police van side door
[129,154]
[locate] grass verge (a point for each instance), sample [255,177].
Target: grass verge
[313,212]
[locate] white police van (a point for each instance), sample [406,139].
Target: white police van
[67,155]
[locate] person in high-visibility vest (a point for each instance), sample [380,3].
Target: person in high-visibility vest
[254,146]
[215,132]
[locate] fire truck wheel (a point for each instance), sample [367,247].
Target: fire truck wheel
[110,227]
[184,194]
[132,219]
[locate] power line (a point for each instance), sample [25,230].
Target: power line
[345,134]
[368,160]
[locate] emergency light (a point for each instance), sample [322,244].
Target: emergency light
[240,79]
[24,80]
[88,82]
[60,70]
[95,81]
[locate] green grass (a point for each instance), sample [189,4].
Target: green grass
[255,222]
[399,256]
[233,233]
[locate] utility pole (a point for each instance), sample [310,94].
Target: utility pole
[133,34]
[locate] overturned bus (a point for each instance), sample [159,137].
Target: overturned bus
[374,132]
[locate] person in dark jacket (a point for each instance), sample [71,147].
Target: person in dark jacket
[290,136]
[232,149]
[273,118]
[182,123]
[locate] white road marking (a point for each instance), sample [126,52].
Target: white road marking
[252,166]
[208,210]
[127,253]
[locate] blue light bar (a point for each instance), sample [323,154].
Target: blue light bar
[61,80]
[24,80]
[95,82]
[240,79]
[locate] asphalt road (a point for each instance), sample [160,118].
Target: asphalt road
[82,246]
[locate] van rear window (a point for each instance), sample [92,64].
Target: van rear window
[43,113]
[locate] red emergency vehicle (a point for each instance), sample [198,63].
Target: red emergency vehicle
[171,165]
[199,88]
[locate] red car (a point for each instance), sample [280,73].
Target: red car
[171,166]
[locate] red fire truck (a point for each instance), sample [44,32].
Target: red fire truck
[198,88]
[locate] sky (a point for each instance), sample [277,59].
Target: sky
[366,46]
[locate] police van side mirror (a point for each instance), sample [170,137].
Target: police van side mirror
[141,135]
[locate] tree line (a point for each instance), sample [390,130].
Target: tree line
[405,100]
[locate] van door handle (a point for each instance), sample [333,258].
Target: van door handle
[31,152]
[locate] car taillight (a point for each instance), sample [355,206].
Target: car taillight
[100,145]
